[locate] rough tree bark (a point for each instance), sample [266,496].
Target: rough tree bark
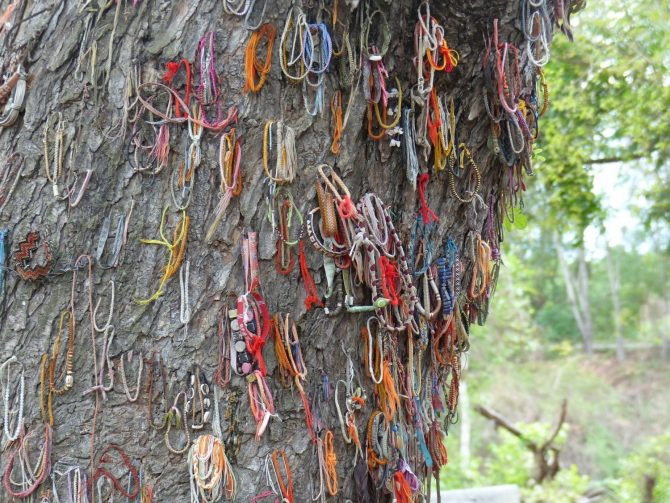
[49,43]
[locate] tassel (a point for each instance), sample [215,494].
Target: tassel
[308,416]
[220,211]
[161,149]
[428,459]
[172,67]
[312,299]
[401,488]
[388,395]
[427,214]
[390,280]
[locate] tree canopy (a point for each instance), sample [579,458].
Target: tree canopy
[610,102]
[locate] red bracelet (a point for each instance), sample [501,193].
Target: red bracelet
[172,68]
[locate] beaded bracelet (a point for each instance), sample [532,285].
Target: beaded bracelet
[176,417]
[240,359]
[198,386]
[19,396]
[465,152]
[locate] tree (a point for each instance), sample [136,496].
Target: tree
[577,289]
[609,106]
[99,152]
[614,276]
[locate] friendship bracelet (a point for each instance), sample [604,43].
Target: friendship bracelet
[257,72]
[131,397]
[31,476]
[230,156]
[176,248]
[103,473]
[285,153]
[28,251]
[285,486]
[172,68]
[54,153]
[296,29]
[17,85]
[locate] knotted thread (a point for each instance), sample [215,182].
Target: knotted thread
[427,214]
[312,299]
[390,280]
[401,488]
[171,69]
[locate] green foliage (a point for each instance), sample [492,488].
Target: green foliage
[532,305]
[508,460]
[651,462]
[609,100]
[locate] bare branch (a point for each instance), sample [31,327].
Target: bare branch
[502,422]
[559,425]
[610,160]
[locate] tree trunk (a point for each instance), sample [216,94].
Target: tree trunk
[80,62]
[577,289]
[613,273]
[648,489]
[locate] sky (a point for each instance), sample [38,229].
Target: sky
[621,197]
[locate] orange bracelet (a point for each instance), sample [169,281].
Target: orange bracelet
[388,396]
[336,112]
[371,134]
[373,459]
[257,72]
[286,488]
[331,463]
